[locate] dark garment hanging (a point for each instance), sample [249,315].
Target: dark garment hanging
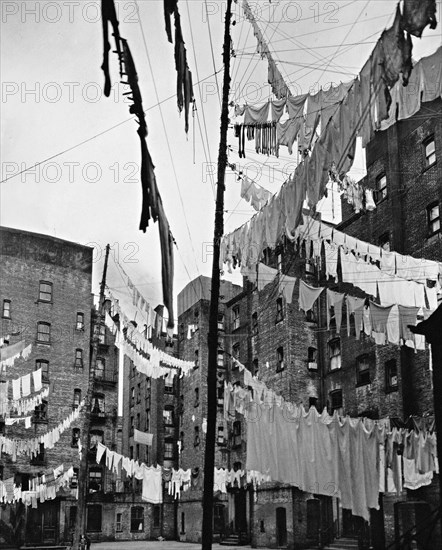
[417,14]
[169,8]
[109,15]
[149,207]
[132,79]
[167,267]
[184,75]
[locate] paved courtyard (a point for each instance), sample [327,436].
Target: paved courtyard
[155,545]
[165,545]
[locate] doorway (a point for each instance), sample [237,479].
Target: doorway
[281,527]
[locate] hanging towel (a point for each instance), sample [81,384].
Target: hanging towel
[26,385]
[393,326]
[407,316]
[308,295]
[256,115]
[331,260]
[152,485]
[100,452]
[277,109]
[286,287]
[432,76]
[379,320]
[335,300]
[16,389]
[142,437]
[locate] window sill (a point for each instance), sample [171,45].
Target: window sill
[433,236]
[280,370]
[426,168]
[392,389]
[362,384]
[41,343]
[6,317]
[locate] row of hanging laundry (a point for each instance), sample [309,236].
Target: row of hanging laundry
[22,406]
[31,447]
[152,204]
[21,387]
[10,353]
[41,488]
[140,348]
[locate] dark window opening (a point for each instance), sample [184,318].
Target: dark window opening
[156,515]
[381,188]
[334,351]
[279,310]
[363,370]
[335,401]
[94,518]
[255,326]
[391,375]
[75,437]
[433,219]
[280,359]
[44,366]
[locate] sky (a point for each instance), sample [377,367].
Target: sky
[86,187]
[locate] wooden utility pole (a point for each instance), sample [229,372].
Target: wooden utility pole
[432,330]
[80,525]
[209,457]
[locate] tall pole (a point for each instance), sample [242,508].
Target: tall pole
[80,525]
[209,457]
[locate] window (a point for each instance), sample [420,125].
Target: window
[43,332]
[6,312]
[433,218]
[220,438]
[391,375]
[96,437]
[236,350]
[182,440]
[430,151]
[156,515]
[44,366]
[79,324]
[98,403]
[236,434]
[312,358]
[310,267]
[197,364]
[220,360]
[255,367]
[94,517]
[137,518]
[75,437]
[41,412]
[334,353]
[168,450]
[197,397]
[255,326]
[384,242]
[335,401]
[138,421]
[363,370]
[181,331]
[101,334]
[72,517]
[147,420]
[99,368]
[168,417]
[196,436]
[381,188]
[119,522]
[313,402]
[132,425]
[95,480]
[77,398]
[279,359]
[139,393]
[78,358]
[235,317]
[183,523]
[279,310]
[168,383]
[45,292]
[220,321]
[74,479]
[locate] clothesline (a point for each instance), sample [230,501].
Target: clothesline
[9,354]
[21,406]
[31,446]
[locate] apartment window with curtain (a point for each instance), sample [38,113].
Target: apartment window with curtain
[45,292]
[430,151]
[334,353]
[44,366]
[43,332]
[433,219]
[6,312]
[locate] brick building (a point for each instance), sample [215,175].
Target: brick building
[47,301]
[304,362]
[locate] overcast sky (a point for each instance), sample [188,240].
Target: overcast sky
[88,191]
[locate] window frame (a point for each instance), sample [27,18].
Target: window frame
[236,321]
[337,391]
[43,292]
[169,450]
[280,359]
[426,142]
[332,356]
[39,332]
[41,413]
[76,399]
[279,310]
[92,514]
[44,372]
[8,316]
[79,324]
[196,436]
[138,517]
[255,324]
[381,191]
[363,377]
[119,522]
[236,434]
[430,221]
[389,387]
[99,374]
